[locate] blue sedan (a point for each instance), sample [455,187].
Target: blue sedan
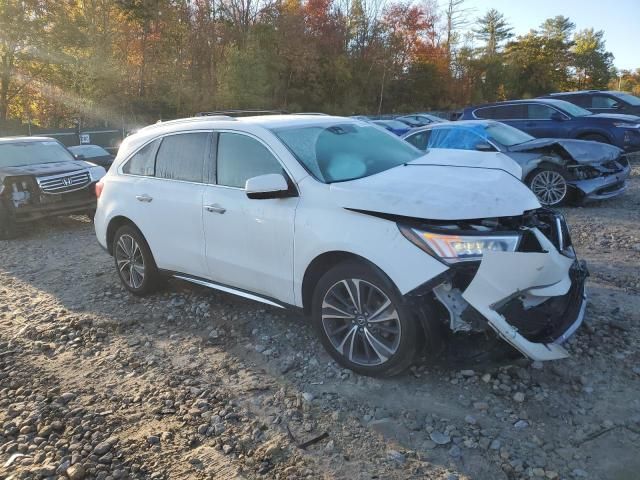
[555,169]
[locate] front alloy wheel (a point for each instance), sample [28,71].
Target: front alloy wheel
[549,186]
[363,321]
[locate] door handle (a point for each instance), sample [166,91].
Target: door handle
[144,198]
[215,209]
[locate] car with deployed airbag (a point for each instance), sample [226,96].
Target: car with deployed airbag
[556,170]
[388,251]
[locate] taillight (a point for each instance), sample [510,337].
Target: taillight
[99,187]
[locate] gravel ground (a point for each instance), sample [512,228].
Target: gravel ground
[190,383]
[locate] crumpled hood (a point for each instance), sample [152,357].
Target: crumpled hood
[582,151]
[436,187]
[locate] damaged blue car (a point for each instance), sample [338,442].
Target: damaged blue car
[556,170]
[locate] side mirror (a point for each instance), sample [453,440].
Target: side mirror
[557,117]
[272,185]
[485,147]
[79,156]
[617,106]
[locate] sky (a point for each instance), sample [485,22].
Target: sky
[619,20]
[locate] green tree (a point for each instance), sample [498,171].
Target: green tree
[593,62]
[493,29]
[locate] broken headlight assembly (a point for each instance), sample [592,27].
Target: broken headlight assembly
[454,248]
[584,172]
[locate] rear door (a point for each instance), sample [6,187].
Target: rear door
[249,242]
[166,201]
[514,115]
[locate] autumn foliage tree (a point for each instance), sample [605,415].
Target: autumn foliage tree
[136,61]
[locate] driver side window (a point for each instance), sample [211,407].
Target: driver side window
[241,157]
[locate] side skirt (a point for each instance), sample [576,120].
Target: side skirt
[234,291]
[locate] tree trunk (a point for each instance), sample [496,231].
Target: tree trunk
[5,80]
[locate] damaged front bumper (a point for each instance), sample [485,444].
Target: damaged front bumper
[533,300]
[533,297]
[611,182]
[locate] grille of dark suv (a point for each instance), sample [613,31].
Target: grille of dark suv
[67,182]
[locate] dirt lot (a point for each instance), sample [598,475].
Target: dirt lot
[190,383]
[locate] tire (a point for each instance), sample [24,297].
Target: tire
[7,227]
[134,261]
[594,137]
[382,348]
[549,185]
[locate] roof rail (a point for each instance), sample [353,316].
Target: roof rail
[160,123]
[240,113]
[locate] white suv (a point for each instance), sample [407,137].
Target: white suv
[383,246]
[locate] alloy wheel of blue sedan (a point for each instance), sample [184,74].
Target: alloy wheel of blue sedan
[549,186]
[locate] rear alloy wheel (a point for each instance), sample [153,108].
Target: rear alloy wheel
[135,264]
[363,322]
[549,186]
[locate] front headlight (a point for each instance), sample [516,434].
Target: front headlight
[459,248]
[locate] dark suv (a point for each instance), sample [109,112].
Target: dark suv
[551,118]
[601,101]
[40,178]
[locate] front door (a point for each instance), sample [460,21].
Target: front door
[249,243]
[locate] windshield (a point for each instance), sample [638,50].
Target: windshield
[626,97]
[89,151]
[506,134]
[17,154]
[345,151]
[571,109]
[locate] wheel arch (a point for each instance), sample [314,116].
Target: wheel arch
[321,265]
[600,133]
[114,224]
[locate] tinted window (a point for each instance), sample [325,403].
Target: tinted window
[510,112]
[489,112]
[182,156]
[540,112]
[420,139]
[346,151]
[580,100]
[143,162]
[241,157]
[600,101]
[502,112]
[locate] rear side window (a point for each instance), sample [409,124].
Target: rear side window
[182,156]
[489,112]
[510,112]
[241,157]
[601,101]
[143,162]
